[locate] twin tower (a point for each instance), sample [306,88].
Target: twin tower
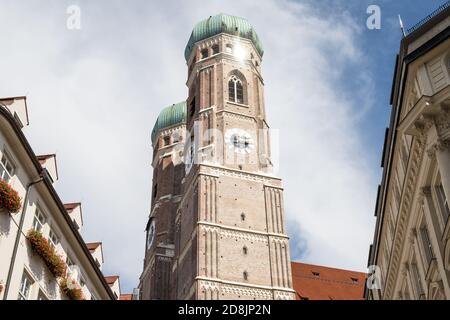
[216,229]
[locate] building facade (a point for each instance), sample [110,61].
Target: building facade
[43,255]
[216,228]
[410,255]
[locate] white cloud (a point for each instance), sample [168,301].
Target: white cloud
[94,95]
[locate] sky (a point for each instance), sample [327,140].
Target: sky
[94,94]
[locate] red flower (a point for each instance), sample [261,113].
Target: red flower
[9,198]
[40,245]
[71,289]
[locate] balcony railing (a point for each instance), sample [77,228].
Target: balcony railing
[429,17]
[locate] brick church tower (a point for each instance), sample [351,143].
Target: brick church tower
[216,229]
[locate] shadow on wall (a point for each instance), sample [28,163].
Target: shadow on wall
[5,224]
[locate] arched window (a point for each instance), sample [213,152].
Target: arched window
[235,90]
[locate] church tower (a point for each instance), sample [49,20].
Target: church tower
[217,227]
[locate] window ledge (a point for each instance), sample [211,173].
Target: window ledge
[237,104]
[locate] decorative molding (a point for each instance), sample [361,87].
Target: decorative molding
[227,233]
[417,153]
[247,291]
[209,285]
[283,295]
[239,116]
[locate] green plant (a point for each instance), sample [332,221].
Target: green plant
[71,288]
[40,245]
[9,198]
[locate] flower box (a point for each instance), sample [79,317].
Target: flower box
[40,245]
[71,289]
[9,198]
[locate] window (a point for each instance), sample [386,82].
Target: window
[242,216]
[204,53]
[82,282]
[39,220]
[42,295]
[166,140]
[215,49]
[354,280]
[6,168]
[316,274]
[192,108]
[25,287]
[245,275]
[424,235]
[416,281]
[443,202]
[229,48]
[53,239]
[245,250]
[155,190]
[235,90]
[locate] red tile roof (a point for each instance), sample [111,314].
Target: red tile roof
[71,206]
[313,282]
[111,279]
[42,158]
[127,296]
[93,245]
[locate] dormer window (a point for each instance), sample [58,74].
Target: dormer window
[316,274]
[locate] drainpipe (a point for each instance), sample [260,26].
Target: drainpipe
[19,233]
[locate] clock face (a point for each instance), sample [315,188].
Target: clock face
[239,140]
[151,234]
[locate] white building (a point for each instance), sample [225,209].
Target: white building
[411,247]
[23,271]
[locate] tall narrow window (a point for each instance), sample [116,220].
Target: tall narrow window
[429,255]
[166,140]
[53,239]
[245,250]
[215,49]
[416,281]
[245,274]
[6,168]
[192,108]
[39,220]
[443,202]
[25,287]
[235,90]
[204,53]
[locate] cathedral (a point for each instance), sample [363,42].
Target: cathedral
[217,228]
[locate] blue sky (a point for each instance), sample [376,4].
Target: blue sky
[94,94]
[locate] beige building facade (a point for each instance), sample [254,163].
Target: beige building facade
[410,255]
[24,274]
[216,228]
